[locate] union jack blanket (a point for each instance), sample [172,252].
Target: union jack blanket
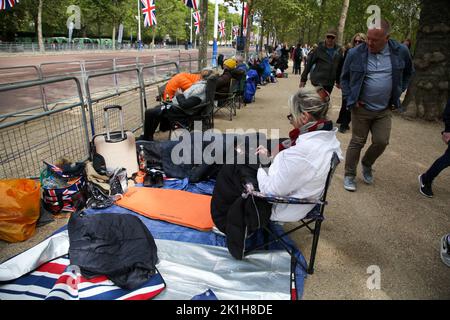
[58,280]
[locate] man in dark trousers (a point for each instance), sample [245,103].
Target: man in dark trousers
[426,179]
[323,63]
[373,78]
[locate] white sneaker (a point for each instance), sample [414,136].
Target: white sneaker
[445,250]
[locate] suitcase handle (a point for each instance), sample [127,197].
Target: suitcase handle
[112,107]
[108,132]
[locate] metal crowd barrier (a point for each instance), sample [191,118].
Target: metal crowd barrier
[37,75]
[128,93]
[65,130]
[48,136]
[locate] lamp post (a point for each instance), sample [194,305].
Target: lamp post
[216,25]
[138,17]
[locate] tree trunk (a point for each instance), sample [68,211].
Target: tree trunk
[429,90]
[341,27]
[203,38]
[114,37]
[319,28]
[153,37]
[261,37]
[310,42]
[39,28]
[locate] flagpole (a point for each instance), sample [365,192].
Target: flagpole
[191,27]
[139,39]
[216,25]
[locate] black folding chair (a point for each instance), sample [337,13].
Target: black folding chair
[227,100]
[316,216]
[202,112]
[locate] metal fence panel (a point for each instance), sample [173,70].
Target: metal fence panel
[28,140]
[121,87]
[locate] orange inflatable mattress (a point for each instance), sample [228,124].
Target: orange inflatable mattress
[175,206]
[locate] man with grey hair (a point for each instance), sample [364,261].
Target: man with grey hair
[373,78]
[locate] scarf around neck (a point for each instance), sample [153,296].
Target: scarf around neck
[320,125]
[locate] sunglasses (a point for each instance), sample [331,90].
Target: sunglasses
[358,41]
[331,37]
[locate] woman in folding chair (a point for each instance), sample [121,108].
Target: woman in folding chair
[299,170]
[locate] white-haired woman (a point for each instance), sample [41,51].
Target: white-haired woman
[298,169]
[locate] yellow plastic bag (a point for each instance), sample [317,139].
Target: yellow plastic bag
[19,209]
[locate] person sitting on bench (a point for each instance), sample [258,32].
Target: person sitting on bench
[299,171]
[186,100]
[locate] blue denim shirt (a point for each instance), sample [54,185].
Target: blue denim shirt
[355,70]
[377,86]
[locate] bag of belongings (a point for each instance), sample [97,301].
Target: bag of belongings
[63,186]
[19,209]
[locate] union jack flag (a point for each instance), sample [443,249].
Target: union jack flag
[149,12]
[222,28]
[7,4]
[191,4]
[245,18]
[196,16]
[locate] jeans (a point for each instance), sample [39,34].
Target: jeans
[436,168]
[364,121]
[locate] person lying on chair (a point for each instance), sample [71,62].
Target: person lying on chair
[299,170]
[181,103]
[181,81]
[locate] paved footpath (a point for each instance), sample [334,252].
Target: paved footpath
[388,225]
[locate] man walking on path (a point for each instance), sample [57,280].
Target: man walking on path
[323,63]
[373,78]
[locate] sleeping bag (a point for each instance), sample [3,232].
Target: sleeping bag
[250,86]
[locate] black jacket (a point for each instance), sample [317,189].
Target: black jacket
[118,246]
[325,72]
[223,82]
[233,215]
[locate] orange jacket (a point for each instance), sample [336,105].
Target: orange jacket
[181,81]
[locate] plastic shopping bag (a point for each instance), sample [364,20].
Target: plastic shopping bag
[19,209]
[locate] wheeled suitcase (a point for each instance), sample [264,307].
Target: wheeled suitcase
[118,148]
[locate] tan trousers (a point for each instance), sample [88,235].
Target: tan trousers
[379,124]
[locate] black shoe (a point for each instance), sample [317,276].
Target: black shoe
[425,188]
[342,129]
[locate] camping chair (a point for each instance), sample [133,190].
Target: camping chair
[160,97]
[228,100]
[202,112]
[315,216]
[240,92]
